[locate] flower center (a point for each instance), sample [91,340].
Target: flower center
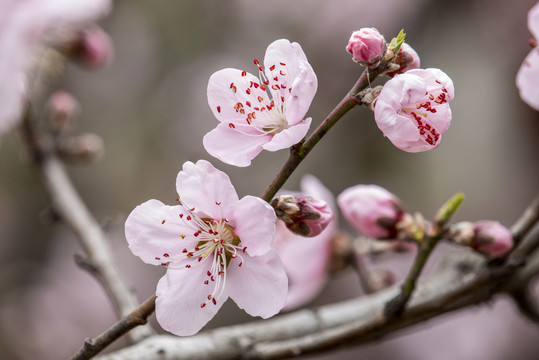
[420,111]
[265,105]
[217,243]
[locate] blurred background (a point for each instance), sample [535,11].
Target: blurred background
[150,108]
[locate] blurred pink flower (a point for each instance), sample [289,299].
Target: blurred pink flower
[213,245]
[372,210]
[367,46]
[407,59]
[24,26]
[491,238]
[264,111]
[528,74]
[413,111]
[306,259]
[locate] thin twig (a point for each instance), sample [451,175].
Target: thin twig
[72,210]
[139,316]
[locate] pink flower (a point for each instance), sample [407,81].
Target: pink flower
[528,74]
[26,25]
[367,46]
[372,210]
[213,246]
[264,111]
[306,259]
[412,109]
[407,59]
[491,238]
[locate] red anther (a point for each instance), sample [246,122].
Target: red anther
[178,198]
[190,254]
[230,125]
[275,87]
[427,126]
[165,255]
[256,85]
[217,203]
[248,91]
[260,98]
[248,103]
[260,68]
[188,217]
[282,64]
[429,140]
[444,90]
[242,111]
[256,62]
[199,258]
[282,98]
[282,73]
[202,305]
[181,216]
[245,248]
[532,43]
[272,67]
[197,248]
[184,251]
[162,222]
[157,258]
[206,282]
[283,87]
[240,264]
[221,273]
[438,81]
[208,273]
[188,266]
[209,297]
[214,301]
[262,87]
[421,131]
[163,264]
[212,278]
[276,78]
[218,109]
[266,82]
[431,97]
[244,73]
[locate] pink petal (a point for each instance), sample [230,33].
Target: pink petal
[533,21]
[180,294]
[260,285]
[310,185]
[206,189]
[227,88]
[298,74]
[528,78]
[288,137]
[150,238]
[254,220]
[233,147]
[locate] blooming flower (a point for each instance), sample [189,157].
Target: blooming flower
[213,246]
[306,259]
[24,26]
[264,111]
[528,74]
[367,46]
[412,109]
[372,210]
[491,238]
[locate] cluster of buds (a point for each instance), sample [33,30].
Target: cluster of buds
[302,214]
[487,237]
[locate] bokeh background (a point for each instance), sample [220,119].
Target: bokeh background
[150,108]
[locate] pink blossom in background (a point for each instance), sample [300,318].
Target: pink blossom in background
[261,112]
[367,46]
[213,245]
[372,210]
[26,25]
[306,259]
[528,75]
[413,111]
[407,59]
[492,238]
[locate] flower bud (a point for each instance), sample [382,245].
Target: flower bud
[406,59]
[372,210]
[62,109]
[92,48]
[367,46]
[492,238]
[303,215]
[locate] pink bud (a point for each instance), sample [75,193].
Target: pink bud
[367,46]
[93,48]
[303,215]
[373,210]
[62,109]
[492,238]
[406,59]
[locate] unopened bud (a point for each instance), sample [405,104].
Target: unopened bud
[303,215]
[62,109]
[406,59]
[92,48]
[492,238]
[82,148]
[367,46]
[372,210]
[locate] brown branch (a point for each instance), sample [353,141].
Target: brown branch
[70,207]
[139,316]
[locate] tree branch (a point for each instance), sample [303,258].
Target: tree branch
[72,210]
